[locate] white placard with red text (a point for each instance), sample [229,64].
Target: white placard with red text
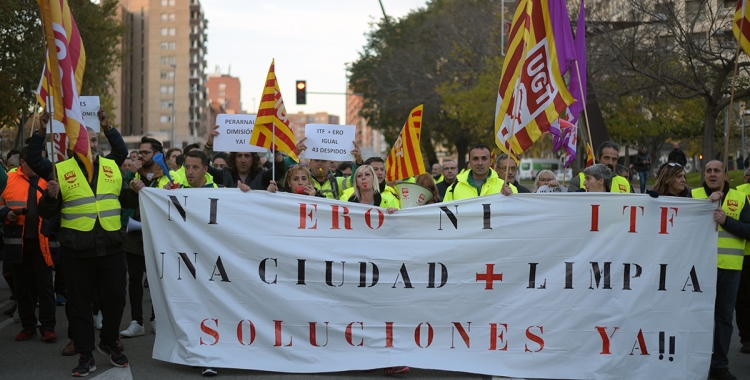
[564,286]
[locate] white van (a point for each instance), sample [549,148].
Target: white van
[530,167]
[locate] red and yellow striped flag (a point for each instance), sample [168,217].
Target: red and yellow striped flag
[532,93]
[271,128]
[589,155]
[63,75]
[742,21]
[405,159]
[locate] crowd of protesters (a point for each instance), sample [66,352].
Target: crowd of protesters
[74,217]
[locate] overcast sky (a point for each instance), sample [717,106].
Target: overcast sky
[310,40]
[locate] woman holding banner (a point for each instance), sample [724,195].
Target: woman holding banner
[671,181]
[598,179]
[367,191]
[298,181]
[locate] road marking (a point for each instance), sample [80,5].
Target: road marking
[6,323]
[115,373]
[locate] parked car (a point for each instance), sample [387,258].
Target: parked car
[531,166]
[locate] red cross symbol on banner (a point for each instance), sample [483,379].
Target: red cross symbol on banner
[489,277]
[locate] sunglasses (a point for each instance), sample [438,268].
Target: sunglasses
[295,165]
[673,164]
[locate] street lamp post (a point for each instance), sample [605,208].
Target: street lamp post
[174,89]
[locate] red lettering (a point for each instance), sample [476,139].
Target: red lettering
[389,334]
[461,332]
[418,335]
[313,335]
[494,336]
[277,329]
[605,339]
[213,333]
[641,343]
[303,215]
[368,218]
[240,335]
[633,214]
[534,338]
[335,218]
[665,217]
[594,217]
[348,334]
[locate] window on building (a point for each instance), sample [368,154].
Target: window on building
[193,72]
[167,17]
[166,104]
[167,31]
[167,3]
[167,75]
[166,60]
[222,86]
[167,46]
[165,118]
[221,93]
[164,89]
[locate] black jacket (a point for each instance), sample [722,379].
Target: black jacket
[678,156]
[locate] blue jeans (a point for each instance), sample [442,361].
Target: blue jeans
[643,175]
[727,283]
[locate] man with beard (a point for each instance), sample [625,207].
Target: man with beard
[501,162]
[450,170]
[90,239]
[437,174]
[606,155]
[147,174]
[733,218]
[480,180]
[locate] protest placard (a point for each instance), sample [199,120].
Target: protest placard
[234,134]
[89,106]
[329,142]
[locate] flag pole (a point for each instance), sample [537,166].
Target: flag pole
[273,153]
[517,103]
[585,113]
[731,98]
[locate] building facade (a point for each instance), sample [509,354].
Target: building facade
[164,72]
[370,141]
[298,121]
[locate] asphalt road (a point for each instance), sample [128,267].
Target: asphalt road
[35,359]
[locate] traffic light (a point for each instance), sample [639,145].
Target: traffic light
[301,92]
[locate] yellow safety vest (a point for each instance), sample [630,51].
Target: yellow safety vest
[327,190]
[745,188]
[81,207]
[164,180]
[731,249]
[619,184]
[461,189]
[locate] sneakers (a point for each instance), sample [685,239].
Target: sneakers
[115,356]
[60,300]
[70,349]
[208,372]
[396,370]
[49,336]
[25,335]
[134,329]
[86,365]
[153,326]
[98,321]
[120,345]
[745,349]
[721,374]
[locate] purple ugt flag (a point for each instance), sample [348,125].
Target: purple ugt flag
[579,83]
[566,53]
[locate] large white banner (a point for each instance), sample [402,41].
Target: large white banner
[572,286]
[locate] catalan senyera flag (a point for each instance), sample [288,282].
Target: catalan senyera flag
[405,159]
[271,128]
[532,93]
[63,75]
[589,155]
[741,20]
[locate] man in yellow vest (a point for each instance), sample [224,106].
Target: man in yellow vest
[437,173]
[734,229]
[480,180]
[742,307]
[91,240]
[28,249]
[196,167]
[606,155]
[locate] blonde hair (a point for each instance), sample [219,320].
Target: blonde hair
[536,182]
[375,185]
[292,171]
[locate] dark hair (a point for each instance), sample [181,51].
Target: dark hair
[223,155]
[27,142]
[133,151]
[179,160]
[197,153]
[479,146]
[155,144]
[667,174]
[345,165]
[501,157]
[622,168]
[10,154]
[254,169]
[191,147]
[22,154]
[427,181]
[607,144]
[169,152]
[374,159]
